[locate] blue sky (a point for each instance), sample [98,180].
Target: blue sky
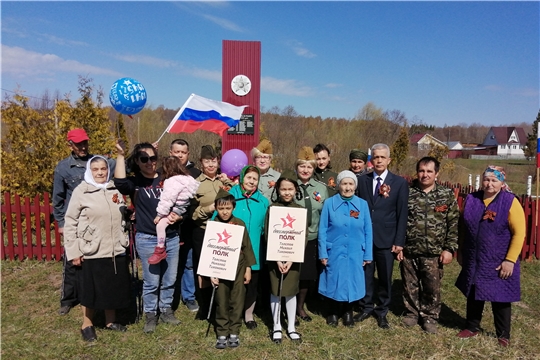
[438,62]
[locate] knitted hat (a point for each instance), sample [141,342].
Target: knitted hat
[346,174]
[358,154]
[306,153]
[265,147]
[208,152]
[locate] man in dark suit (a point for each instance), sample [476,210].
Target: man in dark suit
[387,195]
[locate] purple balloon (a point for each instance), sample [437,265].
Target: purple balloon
[233,161]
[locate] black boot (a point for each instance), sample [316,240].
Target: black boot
[348,315]
[204,303]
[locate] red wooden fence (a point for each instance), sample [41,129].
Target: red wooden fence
[30,231]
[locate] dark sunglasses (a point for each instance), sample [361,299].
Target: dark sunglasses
[144,159]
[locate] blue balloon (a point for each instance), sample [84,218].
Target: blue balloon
[127,96]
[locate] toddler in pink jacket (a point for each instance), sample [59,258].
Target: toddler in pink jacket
[178,188]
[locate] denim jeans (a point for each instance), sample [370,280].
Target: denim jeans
[188,279]
[158,279]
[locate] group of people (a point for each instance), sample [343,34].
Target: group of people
[359,221]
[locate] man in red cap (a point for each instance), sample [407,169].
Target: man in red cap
[67,175]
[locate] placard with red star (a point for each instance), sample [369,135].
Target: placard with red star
[286,234]
[220,250]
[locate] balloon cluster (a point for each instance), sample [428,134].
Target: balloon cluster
[127,96]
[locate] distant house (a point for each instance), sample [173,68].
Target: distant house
[506,142]
[421,144]
[455,149]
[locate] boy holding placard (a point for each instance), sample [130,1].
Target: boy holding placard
[230,294]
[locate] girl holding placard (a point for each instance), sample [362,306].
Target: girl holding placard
[286,272]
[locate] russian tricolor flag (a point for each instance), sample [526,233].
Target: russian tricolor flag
[538,147]
[199,113]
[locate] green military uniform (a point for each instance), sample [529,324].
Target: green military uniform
[230,295]
[292,278]
[267,183]
[432,227]
[314,193]
[205,196]
[327,177]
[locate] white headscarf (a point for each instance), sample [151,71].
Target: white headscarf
[88,173]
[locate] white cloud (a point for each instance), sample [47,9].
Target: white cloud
[60,41]
[146,60]
[23,63]
[300,50]
[213,75]
[527,92]
[333,85]
[224,23]
[285,87]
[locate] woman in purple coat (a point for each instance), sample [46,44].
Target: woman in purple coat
[492,232]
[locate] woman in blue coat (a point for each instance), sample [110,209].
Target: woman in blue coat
[251,207]
[345,246]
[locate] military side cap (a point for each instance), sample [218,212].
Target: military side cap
[306,153]
[265,147]
[222,193]
[208,152]
[289,175]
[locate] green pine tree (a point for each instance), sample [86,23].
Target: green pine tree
[530,148]
[400,149]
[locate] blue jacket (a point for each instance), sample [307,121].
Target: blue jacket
[68,174]
[346,240]
[252,212]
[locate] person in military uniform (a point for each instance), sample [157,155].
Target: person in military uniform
[431,240]
[322,171]
[230,295]
[262,156]
[314,194]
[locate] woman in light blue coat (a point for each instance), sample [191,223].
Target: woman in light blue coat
[345,246]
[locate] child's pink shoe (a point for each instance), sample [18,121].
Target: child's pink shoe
[158,255]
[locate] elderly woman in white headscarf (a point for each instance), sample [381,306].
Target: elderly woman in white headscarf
[345,246]
[95,240]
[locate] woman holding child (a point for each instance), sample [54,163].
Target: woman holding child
[144,189]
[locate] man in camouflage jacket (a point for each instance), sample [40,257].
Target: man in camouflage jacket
[431,241]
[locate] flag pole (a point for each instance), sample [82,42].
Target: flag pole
[537,182]
[174,118]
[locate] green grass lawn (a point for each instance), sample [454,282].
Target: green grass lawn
[517,172]
[31,328]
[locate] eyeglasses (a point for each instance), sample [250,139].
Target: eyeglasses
[144,159]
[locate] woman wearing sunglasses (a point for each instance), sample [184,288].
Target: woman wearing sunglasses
[144,189]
